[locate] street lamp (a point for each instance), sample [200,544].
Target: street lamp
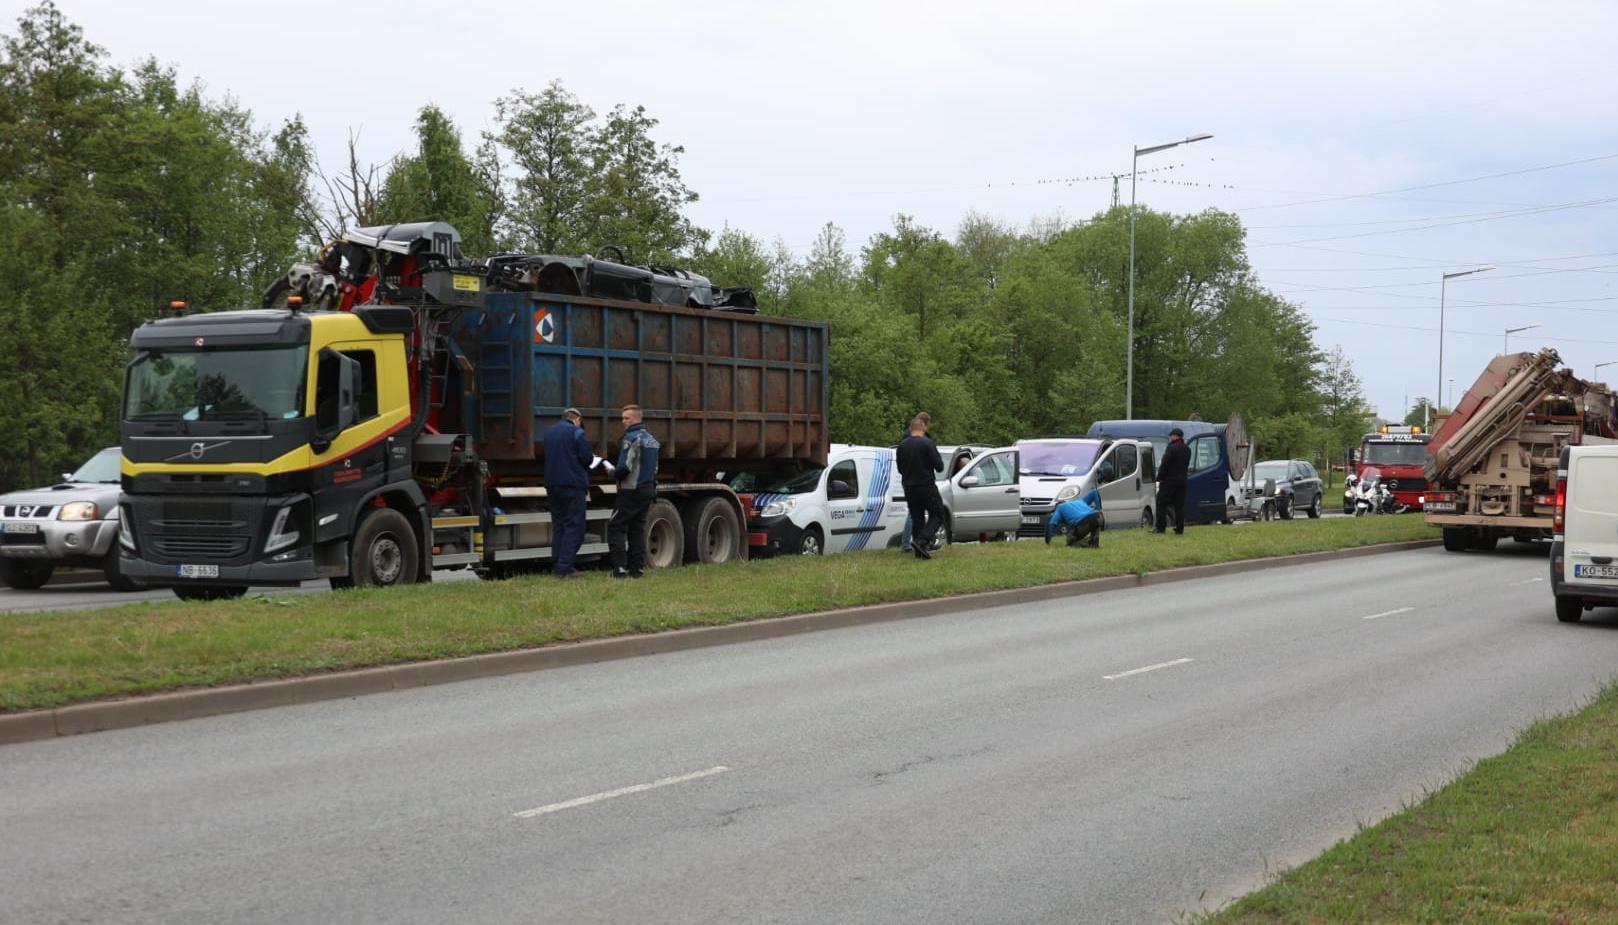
[1129,375]
[1597,371]
[1442,284]
[1505,342]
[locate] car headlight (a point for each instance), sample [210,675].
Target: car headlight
[777,508]
[1421,499]
[280,536]
[1067,494]
[78,510]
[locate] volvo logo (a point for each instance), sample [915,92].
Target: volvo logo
[197,451]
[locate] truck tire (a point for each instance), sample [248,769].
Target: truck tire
[114,574]
[1456,540]
[1569,609]
[1483,541]
[665,535]
[206,593]
[385,552]
[23,575]
[713,535]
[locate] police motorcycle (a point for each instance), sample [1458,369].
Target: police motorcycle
[1371,495]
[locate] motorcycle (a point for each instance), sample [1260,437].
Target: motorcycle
[1366,493]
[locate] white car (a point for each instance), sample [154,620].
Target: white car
[74,522]
[856,502]
[1584,549]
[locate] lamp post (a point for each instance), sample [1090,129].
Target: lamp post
[1505,342]
[1451,393]
[1129,375]
[1597,371]
[1443,283]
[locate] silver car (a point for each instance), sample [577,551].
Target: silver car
[73,523]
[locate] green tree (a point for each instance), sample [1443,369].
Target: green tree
[441,183]
[637,198]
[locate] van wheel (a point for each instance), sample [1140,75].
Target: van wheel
[1569,609]
[1456,540]
[385,552]
[114,575]
[810,543]
[665,535]
[712,534]
[207,593]
[25,576]
[1147,522]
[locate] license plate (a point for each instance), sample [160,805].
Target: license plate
[21,528]
[1030,519]
[1441,505]
[198,571]
[1595,571]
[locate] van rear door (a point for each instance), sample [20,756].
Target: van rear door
[1590,530]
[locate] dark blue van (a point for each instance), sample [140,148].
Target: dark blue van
[1208,478]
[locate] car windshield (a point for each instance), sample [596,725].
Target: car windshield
[102,467]
[216,385]
[1058,457]
[805,481]
[1270,470]
[1395,454]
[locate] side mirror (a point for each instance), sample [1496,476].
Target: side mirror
[839,489]
[969,481]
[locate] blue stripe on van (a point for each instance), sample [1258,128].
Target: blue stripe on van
[876,497]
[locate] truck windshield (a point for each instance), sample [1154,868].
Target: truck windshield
[1394,454]
[1058,457]
[217,385]
[805,481]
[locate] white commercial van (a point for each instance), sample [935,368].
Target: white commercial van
[1057,469]
[857,502]
[1584,548]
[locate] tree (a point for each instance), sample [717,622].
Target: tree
[1422,412]
[637,198]
[441,183]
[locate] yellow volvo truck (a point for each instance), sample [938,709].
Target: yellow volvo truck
[374,443]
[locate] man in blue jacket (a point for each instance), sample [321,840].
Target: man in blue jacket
[1080,519]
[567,486]
[637,489]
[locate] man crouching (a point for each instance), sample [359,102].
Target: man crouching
[1080,519]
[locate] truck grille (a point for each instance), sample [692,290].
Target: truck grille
[201,547]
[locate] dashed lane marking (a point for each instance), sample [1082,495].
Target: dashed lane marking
[620,792]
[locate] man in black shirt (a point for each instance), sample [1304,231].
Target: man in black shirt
[918,471]
[1171,473]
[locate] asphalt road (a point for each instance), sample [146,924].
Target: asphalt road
[1110,758]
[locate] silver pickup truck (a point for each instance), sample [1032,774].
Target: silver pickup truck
[71,523]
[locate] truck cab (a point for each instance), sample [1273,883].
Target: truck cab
[1398,453]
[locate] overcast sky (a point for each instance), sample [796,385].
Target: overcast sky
[793,115]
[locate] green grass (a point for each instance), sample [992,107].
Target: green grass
[1530,836]
[51,659]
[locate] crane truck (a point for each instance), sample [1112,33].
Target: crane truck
[1491,466]
[399,429]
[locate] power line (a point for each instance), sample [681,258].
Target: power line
[1449,330]
[1561,207]
[1426,186]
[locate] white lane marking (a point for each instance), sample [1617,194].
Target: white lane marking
[621,791]
[1527,582]
[1388,613]
[1178,661]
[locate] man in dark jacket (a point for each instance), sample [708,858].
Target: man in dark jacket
[637,489]
[1171,473]
[910,524]
[919,465]
[567,486]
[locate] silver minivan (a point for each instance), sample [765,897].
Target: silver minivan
[1058,469]
[1584,550]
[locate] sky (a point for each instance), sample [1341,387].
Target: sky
[1369,148]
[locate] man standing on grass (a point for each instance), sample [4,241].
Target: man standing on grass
[637,489]
[919,464]
[910,523]
[567,485]
[1171,474]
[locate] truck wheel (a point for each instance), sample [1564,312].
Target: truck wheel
[385,552]
[25,576]
[712,534]
[114,575]
[1456,540]
[1484,542]
[665,536]
[1569,609]
[206,593]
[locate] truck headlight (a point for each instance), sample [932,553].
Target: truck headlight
[280,536]
[78,510]
[126,533]
[1067,494]
[777,508]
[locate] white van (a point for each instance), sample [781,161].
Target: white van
[857,502]
[1584,549]
[1059,469]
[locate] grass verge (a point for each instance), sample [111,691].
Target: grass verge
[52,659]
[1527,836]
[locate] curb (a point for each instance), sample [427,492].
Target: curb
[100,716]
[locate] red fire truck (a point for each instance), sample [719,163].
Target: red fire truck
[1398,452]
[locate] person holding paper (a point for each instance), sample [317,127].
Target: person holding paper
[568,460]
